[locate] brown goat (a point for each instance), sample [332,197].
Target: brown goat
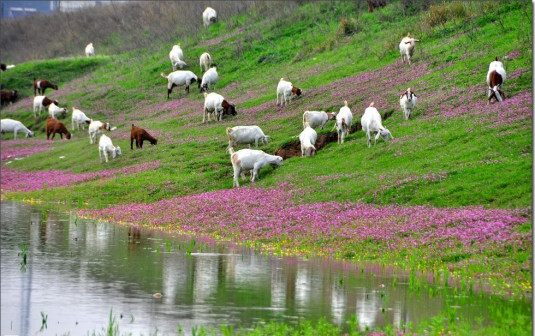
[54,126]
[228,109]
[8,97]
[139,134]
[40,85]
[375,4]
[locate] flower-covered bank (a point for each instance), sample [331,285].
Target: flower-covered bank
[474,243]
[15,180]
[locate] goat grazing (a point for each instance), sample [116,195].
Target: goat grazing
[308,139]
[177,57]
[205,61]
[54,110]
[407,101]
[54,126]
[89,50]
[15,127]
[139,134]
[317,118]
[209,16]
[372,123]
[406,48]
[4,67]
[40,102]
[495,79]
[79,119]
[344,119]
[8,96]
[106,147]
[97,128]
[250,159]
[40,85]
[286,90]
[180,77]
[245,135]
[209,77]
[216,104]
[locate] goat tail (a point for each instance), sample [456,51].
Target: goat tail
[282,78]
[163,75]
[205,94]
[371,104]
[229,129]
[304,117]
[345,103]
[231,151]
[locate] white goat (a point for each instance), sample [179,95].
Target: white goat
[209,16]
[79,119]
[286,90]
[40,102]
[495,79]
[407,101]
[177,56]
[178,78]
[245,135]
[317,118]
[250,159]
[406,48]
[209,77]
[54,110]
[106,147]
[97,128]
[344,119]
[14,126]
[90,50]
[205,61]
[216,104]
[371,123]
[308,138]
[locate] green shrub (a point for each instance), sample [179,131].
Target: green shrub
[446,12]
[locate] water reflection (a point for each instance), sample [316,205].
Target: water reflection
[79,270]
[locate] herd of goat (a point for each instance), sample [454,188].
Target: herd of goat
[217,107]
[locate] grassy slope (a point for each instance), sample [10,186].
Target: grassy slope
[127,88]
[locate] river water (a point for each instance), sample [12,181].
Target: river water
[80,272]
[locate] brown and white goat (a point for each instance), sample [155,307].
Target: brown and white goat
[286,90]
[317,118]
[407,101]
[139,134]
[406,48]
[40,102]
[40,85]
[495,79]
[54,126]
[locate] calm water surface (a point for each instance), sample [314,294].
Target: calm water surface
[78,271]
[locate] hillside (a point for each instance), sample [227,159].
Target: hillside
[456,151]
